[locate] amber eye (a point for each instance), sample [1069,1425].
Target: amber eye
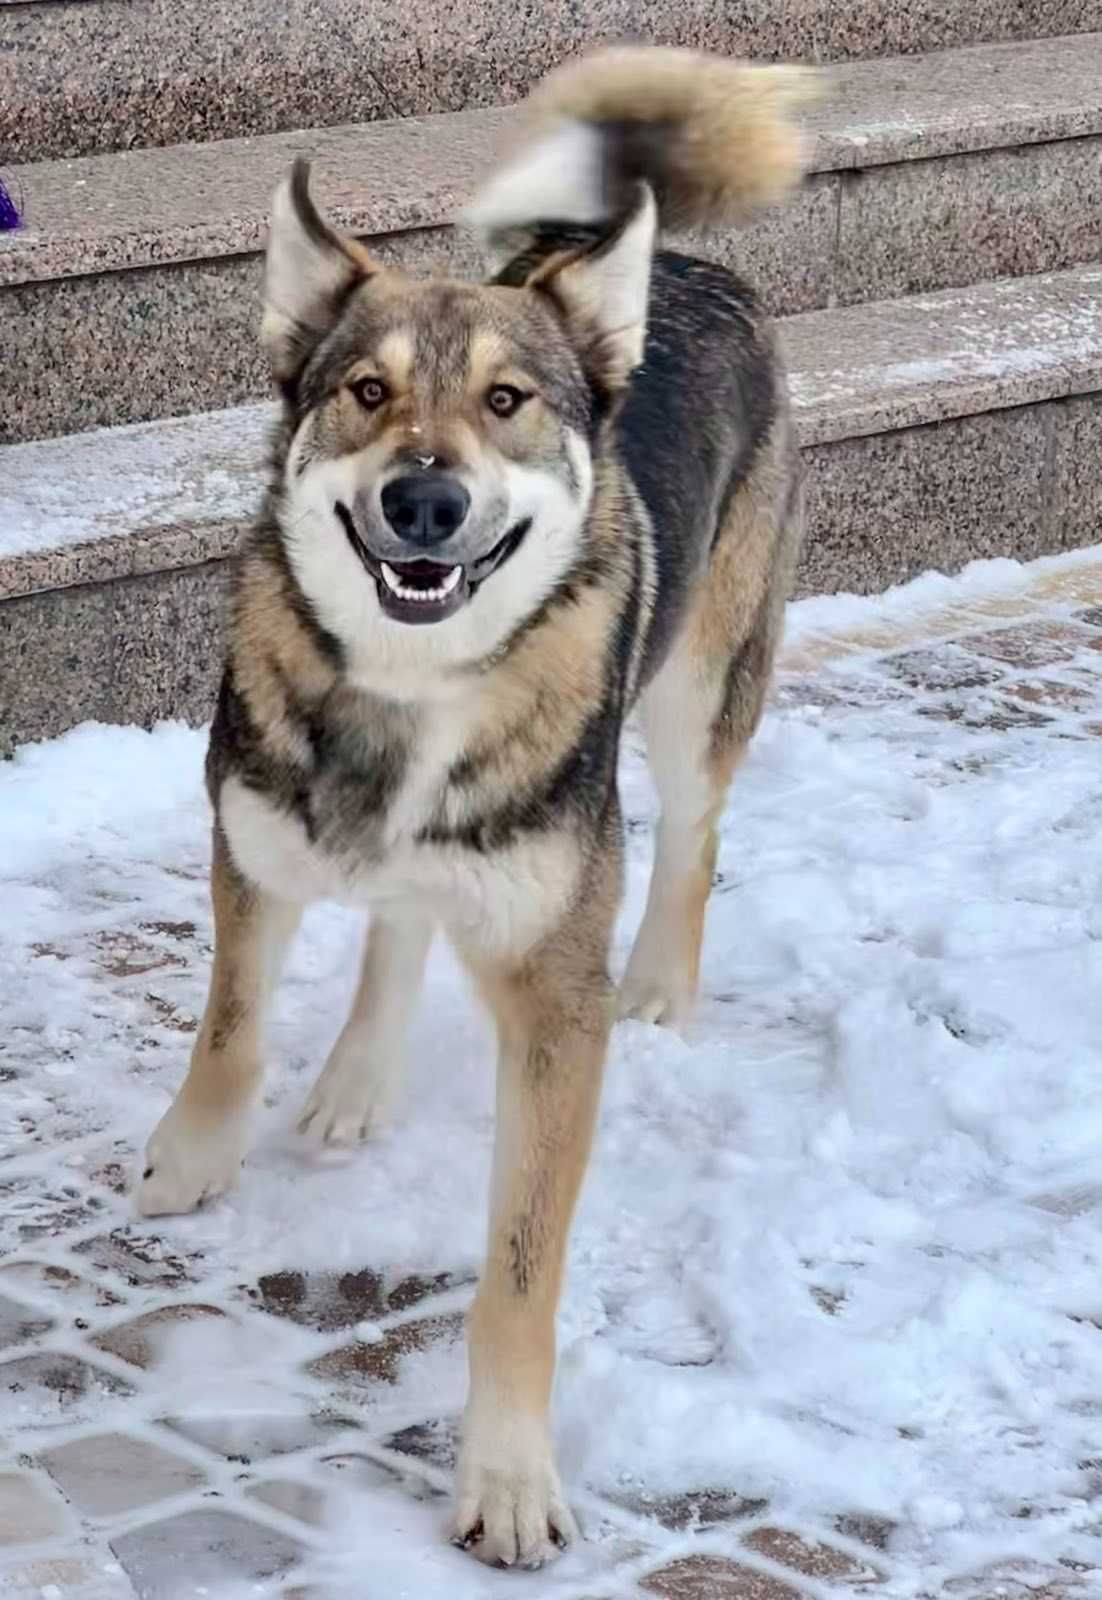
[503,399]
[370,392]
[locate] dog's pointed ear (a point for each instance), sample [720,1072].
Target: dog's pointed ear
[309,270]
[603,294]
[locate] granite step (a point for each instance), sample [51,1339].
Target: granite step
[935,430]
[929,172]
[109,75]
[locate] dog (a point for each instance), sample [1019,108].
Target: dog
[500,517]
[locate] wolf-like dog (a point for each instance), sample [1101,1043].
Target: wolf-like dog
[499,517]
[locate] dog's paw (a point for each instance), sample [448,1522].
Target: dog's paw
[189,1160]
[654,1000]
[351,1099]
[512,1515]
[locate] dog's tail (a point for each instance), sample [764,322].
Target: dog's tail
[714,140]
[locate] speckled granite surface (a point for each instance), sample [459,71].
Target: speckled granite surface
[189,330]
[1076,487]
[992,214]
[886,508]
[134,650]
[974,98]
[191,202]
[187,224]
[110,75]
[135,500]
[137,207]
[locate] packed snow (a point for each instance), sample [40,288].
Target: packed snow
[839,1248]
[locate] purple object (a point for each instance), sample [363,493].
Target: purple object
[9,216]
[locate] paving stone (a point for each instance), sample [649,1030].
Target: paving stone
[361,1471]
[114,1175]
[170,930]
[71,1385]
[716,1578]
[18,1323]
[1017,1580]
[361,1364]
[29,1512]
[202,1549]
[303,1501]
[402,1294]
[870,1530]
[436,1441]
[1072,1202]
[69,1575]
[940,668]
[330,1301]
[340,1591]
[110,1473]
[984,713]
[837,691]
[1050,692]
[326,1301]
[141,1340]
[34,1208]
[248,1438]
[69,1293]
[700,1508]
[141,1258]
[812,1559]
[829,1301]
[1034,644]
[122,954]
[169,1015]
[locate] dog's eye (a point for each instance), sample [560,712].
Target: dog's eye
[370,392]
[503,399]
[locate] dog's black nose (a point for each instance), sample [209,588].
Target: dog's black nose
[425,508]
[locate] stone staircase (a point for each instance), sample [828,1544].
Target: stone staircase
[938,280]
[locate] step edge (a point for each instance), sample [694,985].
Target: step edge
[179,546]
[27,258]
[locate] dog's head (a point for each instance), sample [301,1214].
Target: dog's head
[442,435]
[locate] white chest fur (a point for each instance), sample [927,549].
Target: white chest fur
[501,900]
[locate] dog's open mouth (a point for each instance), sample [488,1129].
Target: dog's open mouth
[428,591]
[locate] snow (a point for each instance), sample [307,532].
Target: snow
[818,1260]
[58,493]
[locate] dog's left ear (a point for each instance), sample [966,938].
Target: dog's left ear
[603,294]
[309,271]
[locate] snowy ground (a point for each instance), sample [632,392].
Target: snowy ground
[837,1274]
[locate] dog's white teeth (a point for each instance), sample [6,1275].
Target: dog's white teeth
[404,592]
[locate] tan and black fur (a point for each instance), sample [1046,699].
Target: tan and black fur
[500,517]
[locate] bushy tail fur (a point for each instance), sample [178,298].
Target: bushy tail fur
[714,139]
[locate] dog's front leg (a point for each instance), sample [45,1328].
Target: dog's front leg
[553,1018]
[197,1148]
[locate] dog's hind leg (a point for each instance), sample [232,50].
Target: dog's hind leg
[678,711]
[197,1148]
[358,1084]
[553,1013]
[698,716]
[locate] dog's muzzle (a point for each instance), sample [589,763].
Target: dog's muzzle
[415,582]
